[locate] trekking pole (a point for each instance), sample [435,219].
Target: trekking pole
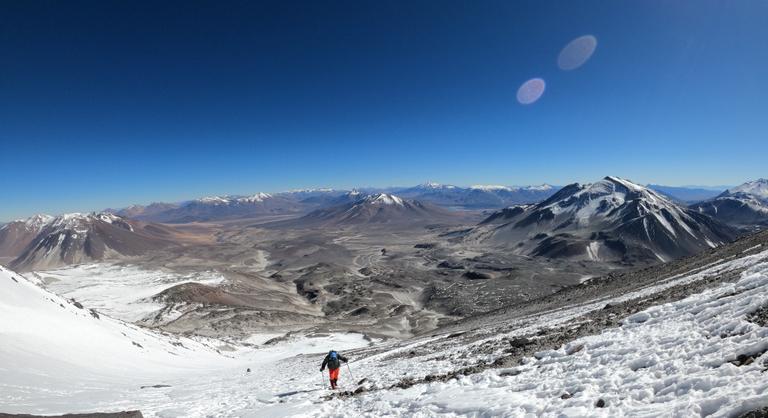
[322,379]
[350,372]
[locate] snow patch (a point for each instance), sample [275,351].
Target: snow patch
[123,292]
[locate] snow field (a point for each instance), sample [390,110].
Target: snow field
[119,291]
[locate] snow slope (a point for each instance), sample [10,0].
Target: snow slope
[120,291]
[672,360]
[51,348]
[56,357]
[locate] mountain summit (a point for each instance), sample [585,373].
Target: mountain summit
[611,220]
[44,241]
[378,208]
[745,205]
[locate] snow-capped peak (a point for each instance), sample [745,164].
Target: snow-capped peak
[757,188]
[599,199]
[433,185]
[227,200]
[258,197]
[74,220]
[541,187]
[106,217]
[489,187]
[319,190]
[36,222]
[384,199]
[626,183]
[214,200]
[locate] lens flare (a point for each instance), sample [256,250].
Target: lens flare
[531,91]
[577,52]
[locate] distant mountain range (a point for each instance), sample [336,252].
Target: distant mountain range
[43,241]
[303,201]
[298,202]
[378,208]
[744,206]
[477,197]
[733,206]
[215,208]
[687,195]
[610,220]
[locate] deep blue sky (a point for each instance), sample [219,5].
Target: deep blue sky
[108,103]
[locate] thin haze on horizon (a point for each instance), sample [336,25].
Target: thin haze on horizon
[106,104]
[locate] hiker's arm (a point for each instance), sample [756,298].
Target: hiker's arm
[342,358]
[325,361]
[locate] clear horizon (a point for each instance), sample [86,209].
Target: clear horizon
[189,198]
[108,105]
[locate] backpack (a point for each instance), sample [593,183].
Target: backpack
[333,360]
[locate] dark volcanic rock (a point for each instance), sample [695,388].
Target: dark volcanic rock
[757,413]
[450,265]
[760,316]
[474,275]
[520,342]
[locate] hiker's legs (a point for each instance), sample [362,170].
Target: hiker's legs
[334,375]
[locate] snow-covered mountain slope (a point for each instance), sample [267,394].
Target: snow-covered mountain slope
[610,220]
[76,238]
[45,338]
[16,235]
[121,291]
[478,196]
[380,208]
[757,188]
[58,356]
[743,206]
